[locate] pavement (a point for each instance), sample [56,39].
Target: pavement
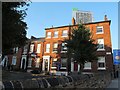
[115,84]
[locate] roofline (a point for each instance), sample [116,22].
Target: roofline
[77,24]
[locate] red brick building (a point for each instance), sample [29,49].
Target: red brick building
[13,60]
[56,35]
[49,53]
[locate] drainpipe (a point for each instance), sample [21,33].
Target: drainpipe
[27,55]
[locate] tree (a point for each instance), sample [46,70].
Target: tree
[13,26]
[81,47]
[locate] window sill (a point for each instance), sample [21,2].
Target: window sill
[48,37]
[54,52]
[64,36]
[101,69]
[63,68]
[47,52]
[100,33]
[87,68]
[55,37]
[63,51]
[53,67]
[36,67]
[100,49]
[29,66]
[38,52]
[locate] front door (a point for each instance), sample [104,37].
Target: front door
[23,63]
[46,63]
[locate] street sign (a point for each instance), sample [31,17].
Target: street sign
[116,56]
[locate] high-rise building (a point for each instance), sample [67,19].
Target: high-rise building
[82,16]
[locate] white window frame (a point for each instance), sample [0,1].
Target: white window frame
[54,60]
[101,41]
[87,65]
[101,60]
[48,33]
[55,33]
[63,67]
[55,47]
[47,49]
[14,60]
[66,32]
[38,48]
[31,48]
[63,46]
[98,27]
[37,63]
[30,62]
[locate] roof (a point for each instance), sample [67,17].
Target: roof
[77,24]
[41,39]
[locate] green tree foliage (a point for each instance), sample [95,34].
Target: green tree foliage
[81,46]
[13,25]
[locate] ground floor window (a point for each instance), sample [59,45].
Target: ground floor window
[54,63]
[14,60]
[101,63]
[63,63]
[29,62]
[87,65]
[37,62]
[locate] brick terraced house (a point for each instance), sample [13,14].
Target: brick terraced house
[48,54]
[51,52]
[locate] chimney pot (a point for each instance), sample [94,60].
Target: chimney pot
[73,21]
[105,18]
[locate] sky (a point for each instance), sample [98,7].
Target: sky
[41,15]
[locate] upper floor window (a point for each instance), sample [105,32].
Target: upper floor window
[38,48]
[56,34]
[63,63]
[64,33]
[99,29]
[31,48]
[101,63]
[48,34]
[64,47]
[101,44]
[55,47]
[47,48]
[87,65]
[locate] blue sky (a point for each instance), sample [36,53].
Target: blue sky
[41,15]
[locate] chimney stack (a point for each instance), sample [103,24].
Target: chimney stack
[73,21]
[105,18]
